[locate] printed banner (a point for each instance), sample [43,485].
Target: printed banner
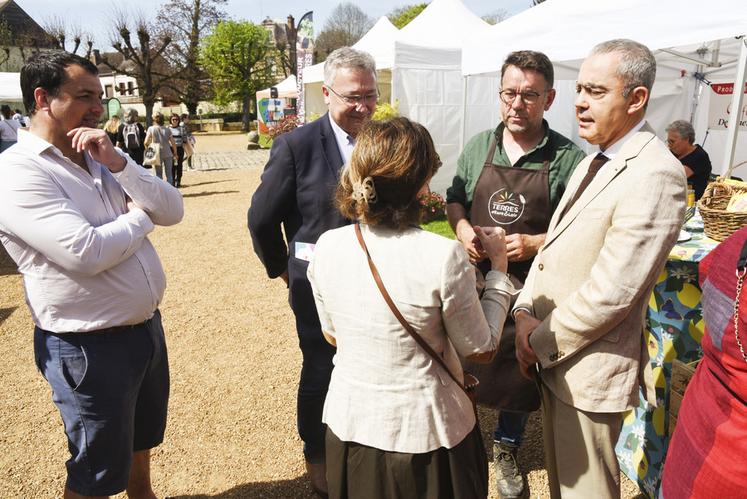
[719,107]
[304,57]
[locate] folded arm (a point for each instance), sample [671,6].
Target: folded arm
[35,210]
[162,202]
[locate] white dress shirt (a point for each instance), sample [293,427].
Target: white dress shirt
[386,391]
[85,258]
[345,142]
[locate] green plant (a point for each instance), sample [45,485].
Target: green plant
[385,111]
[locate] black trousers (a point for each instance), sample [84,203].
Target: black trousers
[176,169]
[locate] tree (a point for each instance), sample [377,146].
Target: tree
[496,16]
[346,25]
[402,16]
[183,21]
[68,37]
[238,56]
[142,60]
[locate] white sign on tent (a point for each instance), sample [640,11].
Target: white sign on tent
[719,107]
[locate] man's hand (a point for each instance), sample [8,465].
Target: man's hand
[522,247]
[98,145]
[466,235]
[525,324]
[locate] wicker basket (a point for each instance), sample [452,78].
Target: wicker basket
[718,223]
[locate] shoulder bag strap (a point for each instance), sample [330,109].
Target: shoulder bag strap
[388,299]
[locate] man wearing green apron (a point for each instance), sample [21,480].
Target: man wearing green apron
[512,177]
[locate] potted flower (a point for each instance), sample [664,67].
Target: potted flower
[435,207]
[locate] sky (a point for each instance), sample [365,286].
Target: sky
[94,15]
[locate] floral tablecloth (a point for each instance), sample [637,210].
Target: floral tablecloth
[674,330]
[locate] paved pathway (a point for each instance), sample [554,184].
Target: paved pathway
[230,160]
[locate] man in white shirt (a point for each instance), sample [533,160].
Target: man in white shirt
[74,216]
[581,313]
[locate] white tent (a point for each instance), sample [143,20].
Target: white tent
[379,42]
[10,87]
[286,89]
[566,30]
[427,76]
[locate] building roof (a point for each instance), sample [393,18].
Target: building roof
[24,30]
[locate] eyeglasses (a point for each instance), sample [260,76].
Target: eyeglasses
[352,100]
[509,96]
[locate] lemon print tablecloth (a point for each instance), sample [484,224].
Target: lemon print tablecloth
[674,330]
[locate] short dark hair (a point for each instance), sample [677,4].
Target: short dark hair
[5,110]
[47,70]
[529,59]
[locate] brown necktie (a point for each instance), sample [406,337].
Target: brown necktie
[596,165]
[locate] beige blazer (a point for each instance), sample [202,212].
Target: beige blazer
[591,281]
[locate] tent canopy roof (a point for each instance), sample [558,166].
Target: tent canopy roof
[286,89]
[378,41]
[443,24]
[566,30]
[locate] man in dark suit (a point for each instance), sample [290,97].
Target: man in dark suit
[296,195]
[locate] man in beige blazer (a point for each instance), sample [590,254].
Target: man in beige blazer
[581,314]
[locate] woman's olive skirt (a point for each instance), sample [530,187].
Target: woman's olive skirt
[355,471]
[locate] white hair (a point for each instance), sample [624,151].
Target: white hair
[346,57]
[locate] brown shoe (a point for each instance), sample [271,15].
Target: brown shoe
[317,473]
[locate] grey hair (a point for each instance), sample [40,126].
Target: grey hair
[346,57]
[682,128]
[131,116]
[637,66]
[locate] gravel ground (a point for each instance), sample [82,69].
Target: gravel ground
[234,366]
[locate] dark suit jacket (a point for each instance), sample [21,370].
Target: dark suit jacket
[296,192]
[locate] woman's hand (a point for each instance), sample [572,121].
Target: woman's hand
[493,242]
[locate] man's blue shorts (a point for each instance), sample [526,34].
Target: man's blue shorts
[112,390]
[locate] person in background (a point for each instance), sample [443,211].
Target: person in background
[177,132]
[8,128]
[75,214]
[681,141]
[162,135]
[581,313]
[293,206]
[189,142]
[131,137]
[398,425]
[18,116]
[111,127]
[524,161]
[707,456]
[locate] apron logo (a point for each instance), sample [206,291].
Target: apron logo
[506,207]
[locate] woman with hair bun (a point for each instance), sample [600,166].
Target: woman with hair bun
[399,422]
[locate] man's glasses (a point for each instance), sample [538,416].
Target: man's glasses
[352,100]
[509,96]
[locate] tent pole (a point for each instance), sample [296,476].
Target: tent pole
[737,98]
[464,114]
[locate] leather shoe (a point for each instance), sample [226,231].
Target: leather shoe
[317,473]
